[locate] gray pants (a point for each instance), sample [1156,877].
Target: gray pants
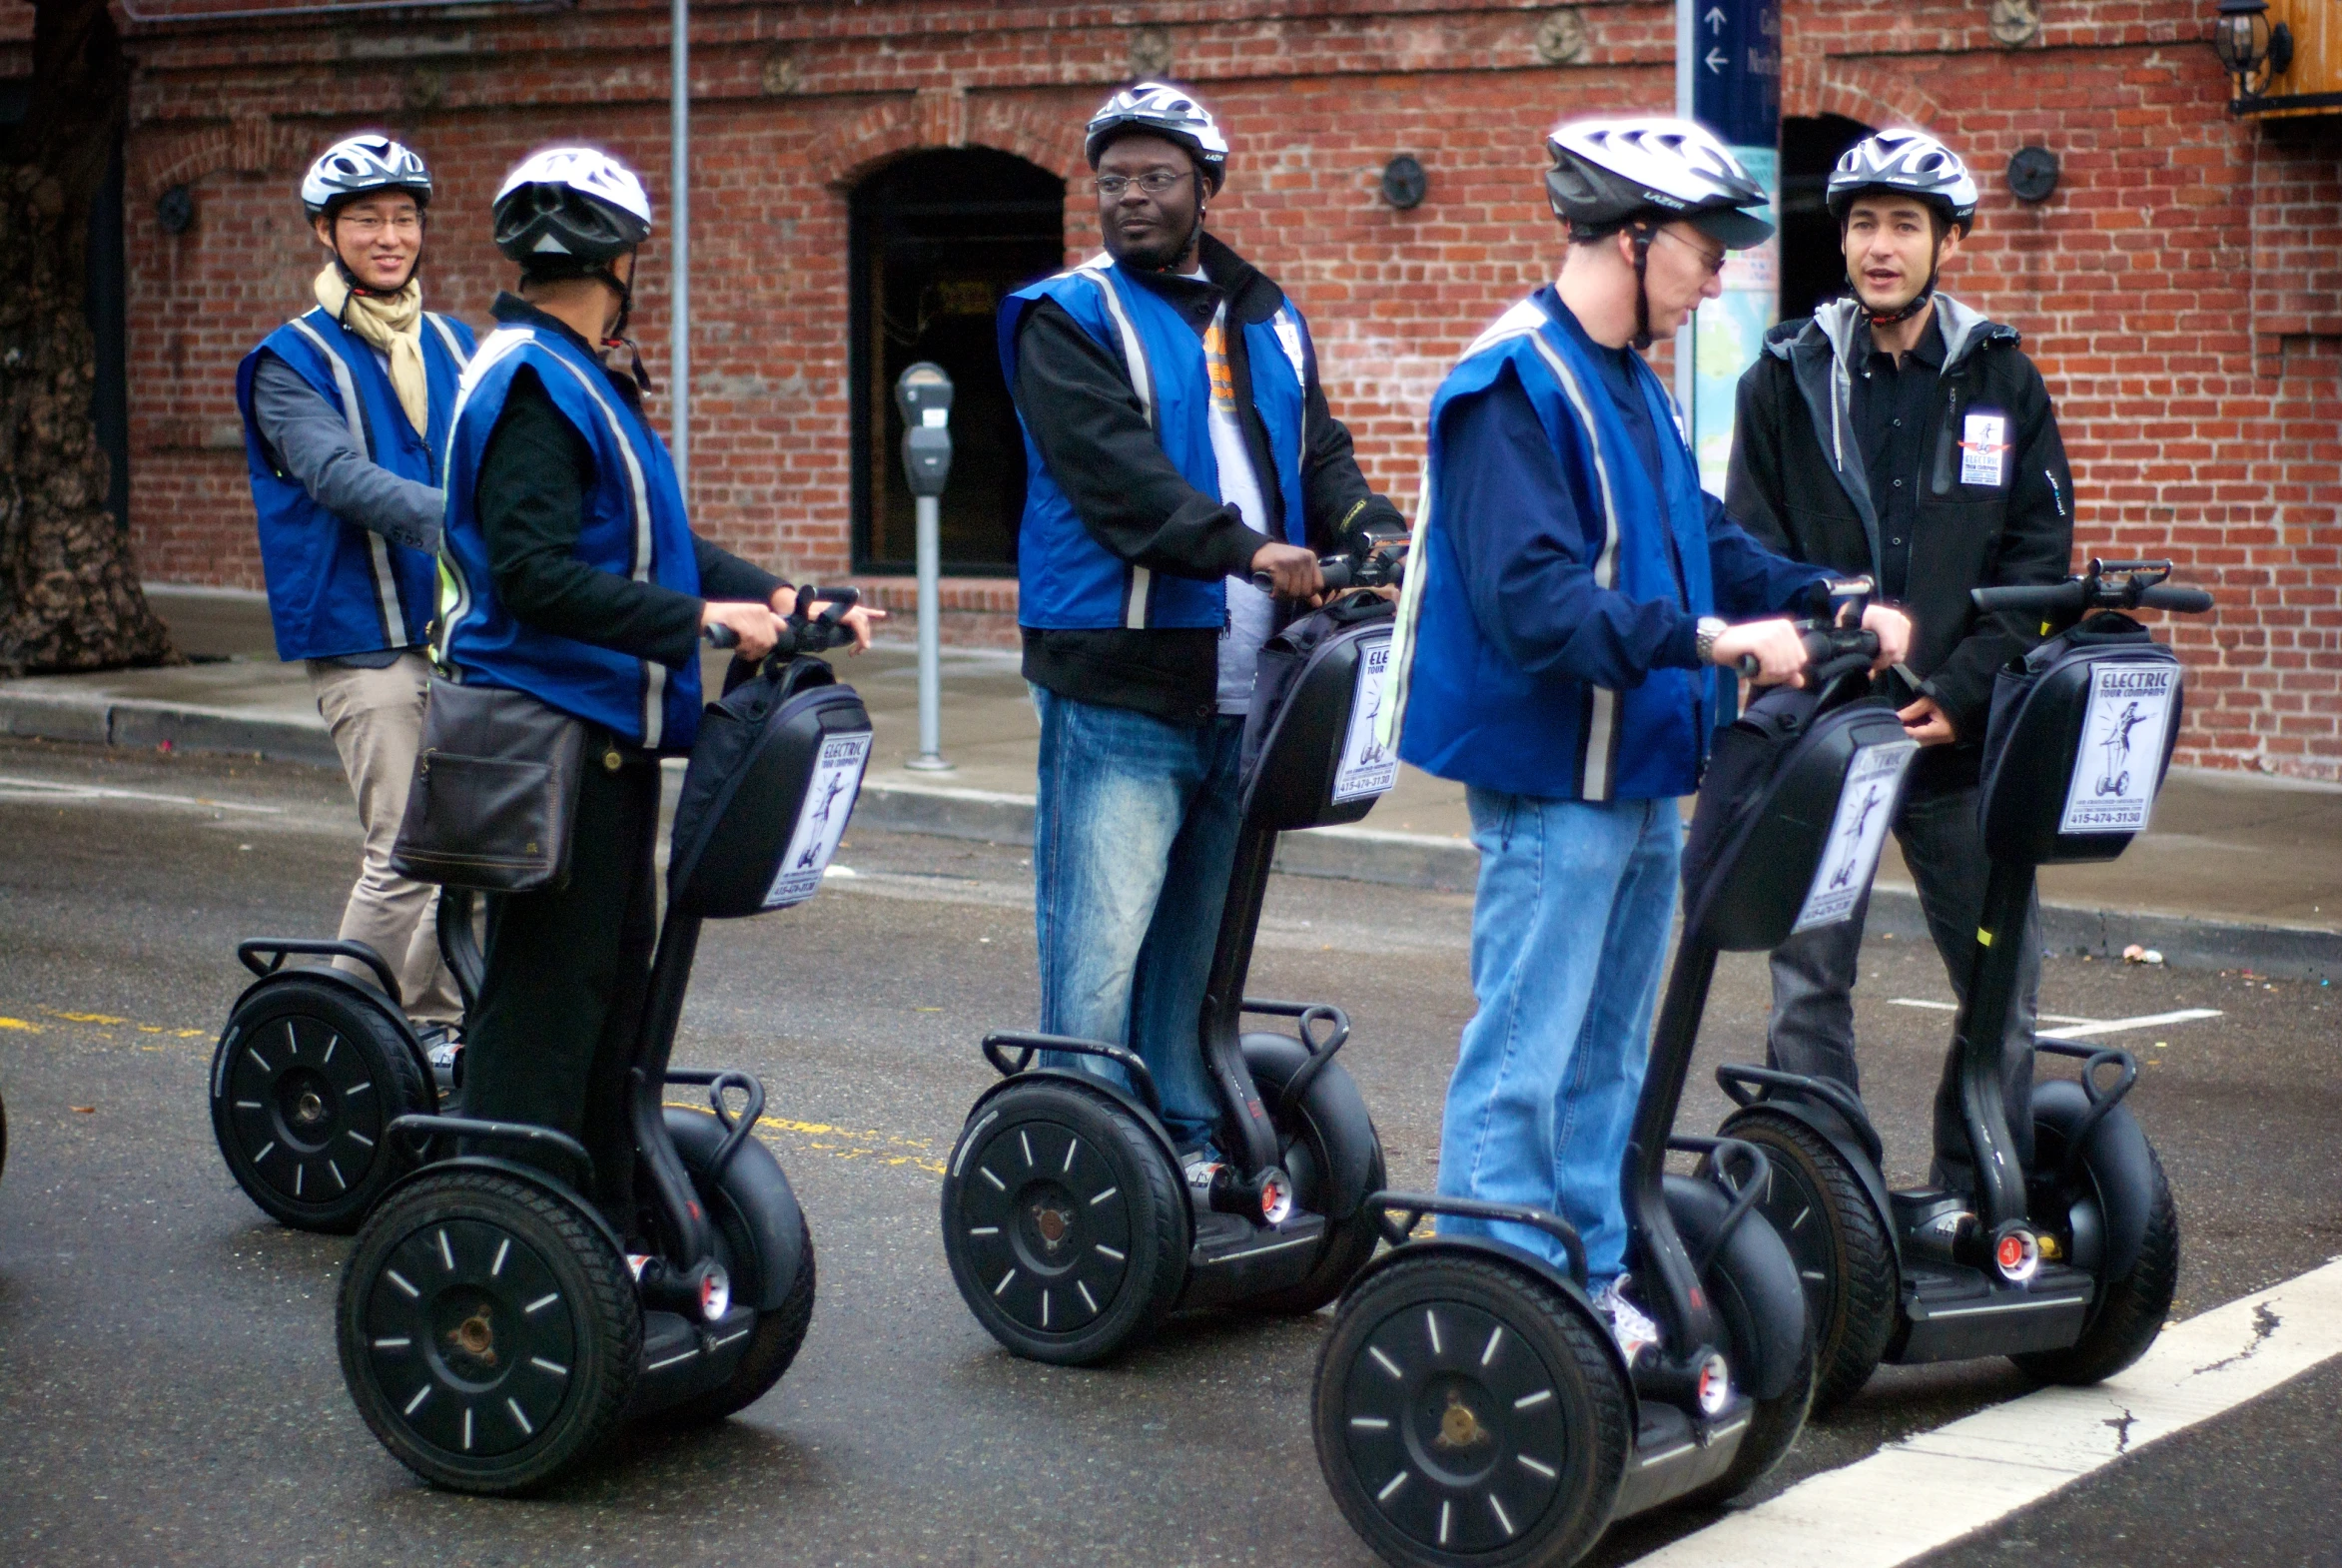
[1813,977]
[376,719]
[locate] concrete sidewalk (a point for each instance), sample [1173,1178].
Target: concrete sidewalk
[2238,871]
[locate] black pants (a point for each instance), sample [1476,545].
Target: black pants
[1813,977]
[567,970]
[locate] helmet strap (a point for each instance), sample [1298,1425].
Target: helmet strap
[1642,233]
[616,337]
[1917,302]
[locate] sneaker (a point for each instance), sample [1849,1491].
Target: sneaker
[1200,1166]
[442,1046]
[1628,1324]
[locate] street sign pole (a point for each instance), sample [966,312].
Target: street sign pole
[1731,52]
[924,394]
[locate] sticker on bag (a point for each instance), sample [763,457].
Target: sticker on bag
[1850,855]
[1983,448]
[821,821]
[1369,764]
[2115,777]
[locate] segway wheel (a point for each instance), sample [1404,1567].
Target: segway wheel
[1842,1249]
[490,1332]
[306,1074]
[1064,1224]
[2129,1312]
[1467,1412]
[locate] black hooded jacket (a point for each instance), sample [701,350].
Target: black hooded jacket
[1797,482]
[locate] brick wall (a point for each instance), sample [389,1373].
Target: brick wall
[2179,290]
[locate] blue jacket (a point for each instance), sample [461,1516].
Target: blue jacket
[334,588]
[1546,635]
[635,527]
[1065,578]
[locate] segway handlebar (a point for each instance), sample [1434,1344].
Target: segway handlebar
[1382,567]
[804,633]
[2105,586]
[1831,652]
[1414,1206]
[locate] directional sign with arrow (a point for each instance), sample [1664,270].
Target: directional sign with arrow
[1736,87]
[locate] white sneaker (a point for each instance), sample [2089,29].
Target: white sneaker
[1628,1324]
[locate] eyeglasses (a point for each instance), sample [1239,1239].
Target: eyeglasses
[368,226]
[1154,182]
[1714,264]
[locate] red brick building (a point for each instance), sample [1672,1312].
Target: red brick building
[870,176]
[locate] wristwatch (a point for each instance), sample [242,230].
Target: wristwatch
[1707,629]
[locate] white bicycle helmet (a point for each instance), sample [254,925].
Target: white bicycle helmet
[1160,109]
[570,209]
[357,165]
[1909,163]
[1608,172]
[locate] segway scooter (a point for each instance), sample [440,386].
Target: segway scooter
[492,1325]
[1069,1223]
[314,1063]
[1471,1404]
[2068,1267]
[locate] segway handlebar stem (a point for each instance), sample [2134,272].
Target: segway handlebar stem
[1413,1206]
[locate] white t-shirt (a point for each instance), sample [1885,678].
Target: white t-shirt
[1252,614]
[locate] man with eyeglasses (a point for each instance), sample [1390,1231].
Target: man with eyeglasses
[345,411]
[1556,651]
[1178,442]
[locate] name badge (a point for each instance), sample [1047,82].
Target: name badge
[1984,449]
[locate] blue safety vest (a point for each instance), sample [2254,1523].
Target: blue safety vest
[635,527]
[1464,711]
[1067,579]
[334,588]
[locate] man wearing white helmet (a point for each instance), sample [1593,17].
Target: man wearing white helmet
[1556,647]
[343,409]
[1900,433]
[1177,440]
[571,574]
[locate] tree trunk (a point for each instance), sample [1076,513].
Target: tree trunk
[69,593]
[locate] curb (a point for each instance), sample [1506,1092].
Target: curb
[1406,860]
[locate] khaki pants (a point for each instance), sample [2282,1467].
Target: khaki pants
[376,719]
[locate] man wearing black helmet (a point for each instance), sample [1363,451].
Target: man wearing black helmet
[571,574]
[1900,433]
[1178,442]
[345,409]
[1555,654]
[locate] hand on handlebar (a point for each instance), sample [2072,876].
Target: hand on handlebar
[754,627]
[1777,645]
[1892,629]
[1292,571]
[860,620]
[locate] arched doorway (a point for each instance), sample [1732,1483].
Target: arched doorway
[937,238]
[1813,266]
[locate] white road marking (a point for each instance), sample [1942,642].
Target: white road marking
[1962,1477]
[2071,1028]
[43,789]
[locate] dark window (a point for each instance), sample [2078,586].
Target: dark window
[1813,264]
[939,239]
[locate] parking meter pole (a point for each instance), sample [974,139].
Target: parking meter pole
[930,719]
[924,394]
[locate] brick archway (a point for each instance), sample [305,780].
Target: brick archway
[1040,134]
[1818,84]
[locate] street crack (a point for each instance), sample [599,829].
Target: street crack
[2122,1425]
[2264,1323]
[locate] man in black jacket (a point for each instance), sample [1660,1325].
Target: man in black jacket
[1178,442]
[1902,434]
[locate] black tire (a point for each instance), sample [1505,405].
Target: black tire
[1349,1242]
[306,1074]
[1503,1431]
[1819,1208]
[2129,1312]
[779,1332]
[1751,1277]
[488,1330]
[1066,1226]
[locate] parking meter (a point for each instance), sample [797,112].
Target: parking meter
[924,393]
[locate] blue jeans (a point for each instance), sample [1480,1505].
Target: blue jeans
[1569,931]
[1133,836]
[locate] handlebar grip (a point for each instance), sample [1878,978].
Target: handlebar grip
[719,635]
[1336,573]
[2187,602]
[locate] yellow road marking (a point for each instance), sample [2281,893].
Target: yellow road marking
[106,1018]
[18,1023]
[886,1149]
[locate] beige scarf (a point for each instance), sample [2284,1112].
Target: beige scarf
[392,324]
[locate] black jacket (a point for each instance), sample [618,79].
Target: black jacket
[1797,484]
[1077,401]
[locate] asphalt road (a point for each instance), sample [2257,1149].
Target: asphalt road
[168,1385]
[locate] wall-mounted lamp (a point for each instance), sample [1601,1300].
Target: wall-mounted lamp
[2248,44]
